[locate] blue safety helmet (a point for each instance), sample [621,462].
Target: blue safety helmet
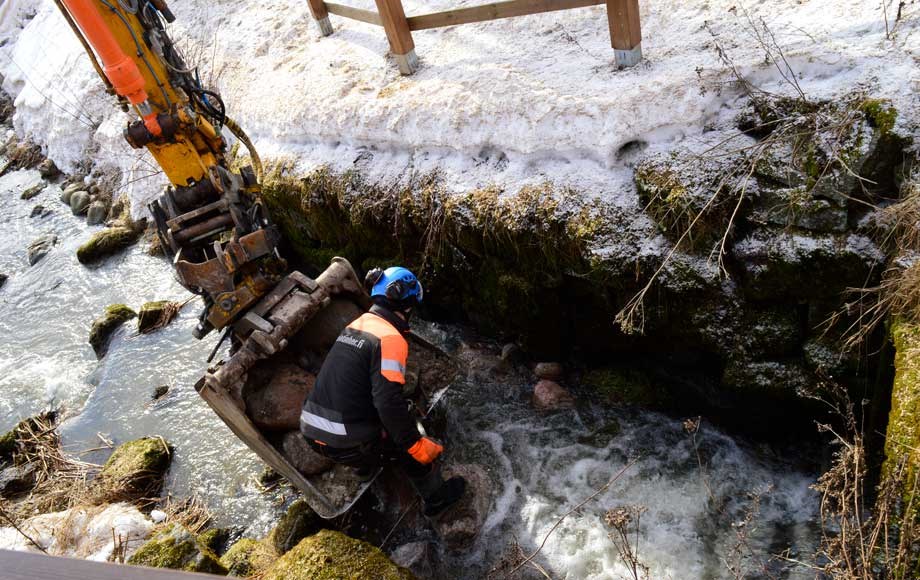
[396,284]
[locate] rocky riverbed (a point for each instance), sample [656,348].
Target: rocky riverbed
[539,455]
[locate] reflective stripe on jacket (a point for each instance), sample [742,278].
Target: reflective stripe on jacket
[359,388]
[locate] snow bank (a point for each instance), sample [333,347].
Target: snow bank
[87,533]
[509,102]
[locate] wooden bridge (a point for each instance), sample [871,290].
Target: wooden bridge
[622,17]
[29,566]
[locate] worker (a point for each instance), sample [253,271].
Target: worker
[357,415]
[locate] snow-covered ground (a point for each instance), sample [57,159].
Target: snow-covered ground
[507,102]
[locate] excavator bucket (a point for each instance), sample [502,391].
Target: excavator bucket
[289,332]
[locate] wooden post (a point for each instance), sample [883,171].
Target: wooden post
[625,31]
[321,16]
[393,18]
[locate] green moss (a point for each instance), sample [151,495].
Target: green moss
[135,469]
[623,386]
[103,327]
[902,443]
[176,548]
[299,522]
[248,557]
[106,243]
[880,113]
[332,555]
[214,539]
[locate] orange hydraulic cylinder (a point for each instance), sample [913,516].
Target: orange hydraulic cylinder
[121,70]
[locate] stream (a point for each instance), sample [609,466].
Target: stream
[697,492]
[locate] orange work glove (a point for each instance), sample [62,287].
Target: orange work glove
[425,450]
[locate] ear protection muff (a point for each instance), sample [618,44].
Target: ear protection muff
[395,290]
[372,277]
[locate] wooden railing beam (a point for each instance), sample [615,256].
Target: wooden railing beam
[321,16]
[494,11]
[367,16]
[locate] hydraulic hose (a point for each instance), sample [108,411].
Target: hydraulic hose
[244,139]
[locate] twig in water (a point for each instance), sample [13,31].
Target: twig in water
[599,491]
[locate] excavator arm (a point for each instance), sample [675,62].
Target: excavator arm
[210,219]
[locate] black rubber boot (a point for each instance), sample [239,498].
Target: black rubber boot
[445,496]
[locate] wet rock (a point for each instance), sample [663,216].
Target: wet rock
[40,247]
[135,469]
[17,479]
[79,202]
[299,522]
[418,557]
[798,208]
[601,437]
[511,353]
[248,557]
[48,169]
[460,524]
[301,455]
[96,213]
[39,211]
[622,386]
[783,379]
[33,191]
[106,243]
[216,539]
[551,371]
[276,406]
[153,315]
[3,279]
[101,332]
[178,549]
[330,554]
[160,392]
[550,396]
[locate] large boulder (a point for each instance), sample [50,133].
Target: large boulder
[17,479]
[551,396]
[135,470]
[101,332]
[155,315]
[178,549]
[3,279]
[296,524]
[329,554]
[276,405]
[460,524]
[301,455]
[106,243]
[40,247]
[96,213]
[79,202]
[248,558]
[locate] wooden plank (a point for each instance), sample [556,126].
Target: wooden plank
[625,29]
[354,13]
[495,11]
[29,566]
[393,18]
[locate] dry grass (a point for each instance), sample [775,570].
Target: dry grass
[190,512]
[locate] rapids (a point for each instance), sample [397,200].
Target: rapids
[540,466]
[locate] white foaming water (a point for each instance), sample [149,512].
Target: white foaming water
[46,311]
[543,466]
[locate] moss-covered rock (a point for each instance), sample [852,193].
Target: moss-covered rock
[106,243]
[103,327]
[299,522]
[330,555]
[623,386]
[901,468]
[249,557]
[135,470]
[178,549]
